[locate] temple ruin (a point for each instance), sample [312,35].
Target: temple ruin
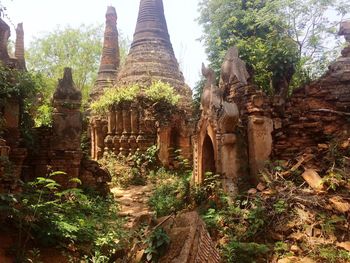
[11,147]
[238,150]
[131,127]
[239,130]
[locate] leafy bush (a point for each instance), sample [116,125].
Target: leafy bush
[64,217]
[157,92]
[245,252]
[171,193]
[44,116]
[160,91]
[114,96]
[156,244]
[330,254]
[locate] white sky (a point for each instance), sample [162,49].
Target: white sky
[40,16]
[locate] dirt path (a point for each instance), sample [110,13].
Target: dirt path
[134,203]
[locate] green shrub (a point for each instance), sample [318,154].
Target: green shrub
[329,254]
[157,92]
[160,91]
[64,217]
[245,252]
[156,243]
[114,96]
[171,193]
[44,116]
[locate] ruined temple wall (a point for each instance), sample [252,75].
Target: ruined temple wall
[314,115]
[319,112]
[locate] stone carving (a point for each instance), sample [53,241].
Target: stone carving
[190,241]
[215,149]
[67,125]
[345,30]
[211,96]
[213,103]
[233,69]
[66,90]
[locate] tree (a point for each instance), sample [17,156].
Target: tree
[78,48]
[313,25]
[277,38]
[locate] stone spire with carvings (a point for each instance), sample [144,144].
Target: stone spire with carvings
[151,55]
[110,59]
[19,49]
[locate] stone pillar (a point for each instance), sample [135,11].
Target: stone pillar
[4,149]
[118,129]
[260,142]
[124,140]
[141,140]
[93,140]
[109,146]
[4,153]
[229,164]
[134,115]
[65,152]
[99,139]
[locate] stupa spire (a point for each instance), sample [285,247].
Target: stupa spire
[19,47]
[110,59]
[151,23]
[151,55]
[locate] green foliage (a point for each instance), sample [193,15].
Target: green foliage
[330,254]
[281,248]
[162,92]
[244,252]
[114,96]
[78,48]
[64,217]
[23,87]
[44,116]
[157,92]
[156,243]
[171,193]
[277,38]
[280,206]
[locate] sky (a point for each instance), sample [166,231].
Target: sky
[42,16]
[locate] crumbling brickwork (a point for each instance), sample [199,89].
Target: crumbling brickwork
[317,113]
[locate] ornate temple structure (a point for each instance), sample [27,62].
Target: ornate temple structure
[133,126]
[10,111]
[233,131]
[241,129]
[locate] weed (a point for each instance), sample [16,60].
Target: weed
[156,244]
[244,252]
[331,255]
[63,217]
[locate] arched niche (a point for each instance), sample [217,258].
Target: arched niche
[208,156]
